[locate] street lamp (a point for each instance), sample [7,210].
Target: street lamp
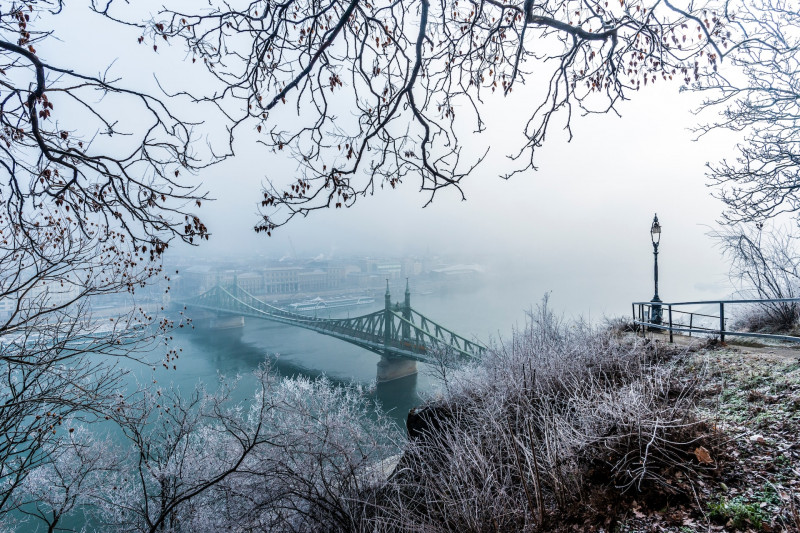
[655,236]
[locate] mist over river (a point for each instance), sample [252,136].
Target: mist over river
[486,309]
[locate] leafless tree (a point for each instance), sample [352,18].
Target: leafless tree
[62,171]
[76,475]
[765,264]
[365,93]
[90,200]
[760,96]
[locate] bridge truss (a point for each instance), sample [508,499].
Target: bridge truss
[396,331]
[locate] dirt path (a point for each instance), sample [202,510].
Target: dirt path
[773,351]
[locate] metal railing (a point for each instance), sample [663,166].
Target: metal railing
[645,312]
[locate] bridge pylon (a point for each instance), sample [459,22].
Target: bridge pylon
[391,366]
[407,314]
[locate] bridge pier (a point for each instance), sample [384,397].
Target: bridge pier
[391,368]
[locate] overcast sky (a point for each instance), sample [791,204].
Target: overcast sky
[579,226]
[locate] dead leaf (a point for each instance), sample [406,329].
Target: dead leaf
[702,455]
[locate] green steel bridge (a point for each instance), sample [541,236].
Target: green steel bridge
[401,335]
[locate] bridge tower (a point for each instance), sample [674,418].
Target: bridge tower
[407,314]
[393,367]
[226,320]
[387,317]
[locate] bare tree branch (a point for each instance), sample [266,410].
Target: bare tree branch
[413,75]
[759,96]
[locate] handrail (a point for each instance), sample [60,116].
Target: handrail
[769,300]
[691,313]
[721,331]
[787,338]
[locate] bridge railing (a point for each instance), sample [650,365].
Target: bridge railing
[370,330]
[440,335]
[645,313]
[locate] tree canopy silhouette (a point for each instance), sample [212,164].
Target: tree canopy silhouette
[366,94]
[91,193]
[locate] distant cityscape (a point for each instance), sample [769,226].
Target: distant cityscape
[295,279]
[280,281]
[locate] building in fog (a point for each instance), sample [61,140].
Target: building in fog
[286,278]
[389,270]
[457,273]
[199,278]
[335,276]
[7,307]
[312,280]
[283,280]
[251,282]
[411,267]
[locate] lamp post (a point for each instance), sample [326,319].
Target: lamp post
[655,236]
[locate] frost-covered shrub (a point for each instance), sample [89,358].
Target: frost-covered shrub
[298,458]
[77,473]
[769,318]
[560,415]
[765,264]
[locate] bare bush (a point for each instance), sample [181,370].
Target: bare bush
[76,475]
[765,264]
[562,418]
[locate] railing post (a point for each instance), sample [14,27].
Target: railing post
[633,312]
[691,319]
[641,319]
[721,322]
[670,322]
